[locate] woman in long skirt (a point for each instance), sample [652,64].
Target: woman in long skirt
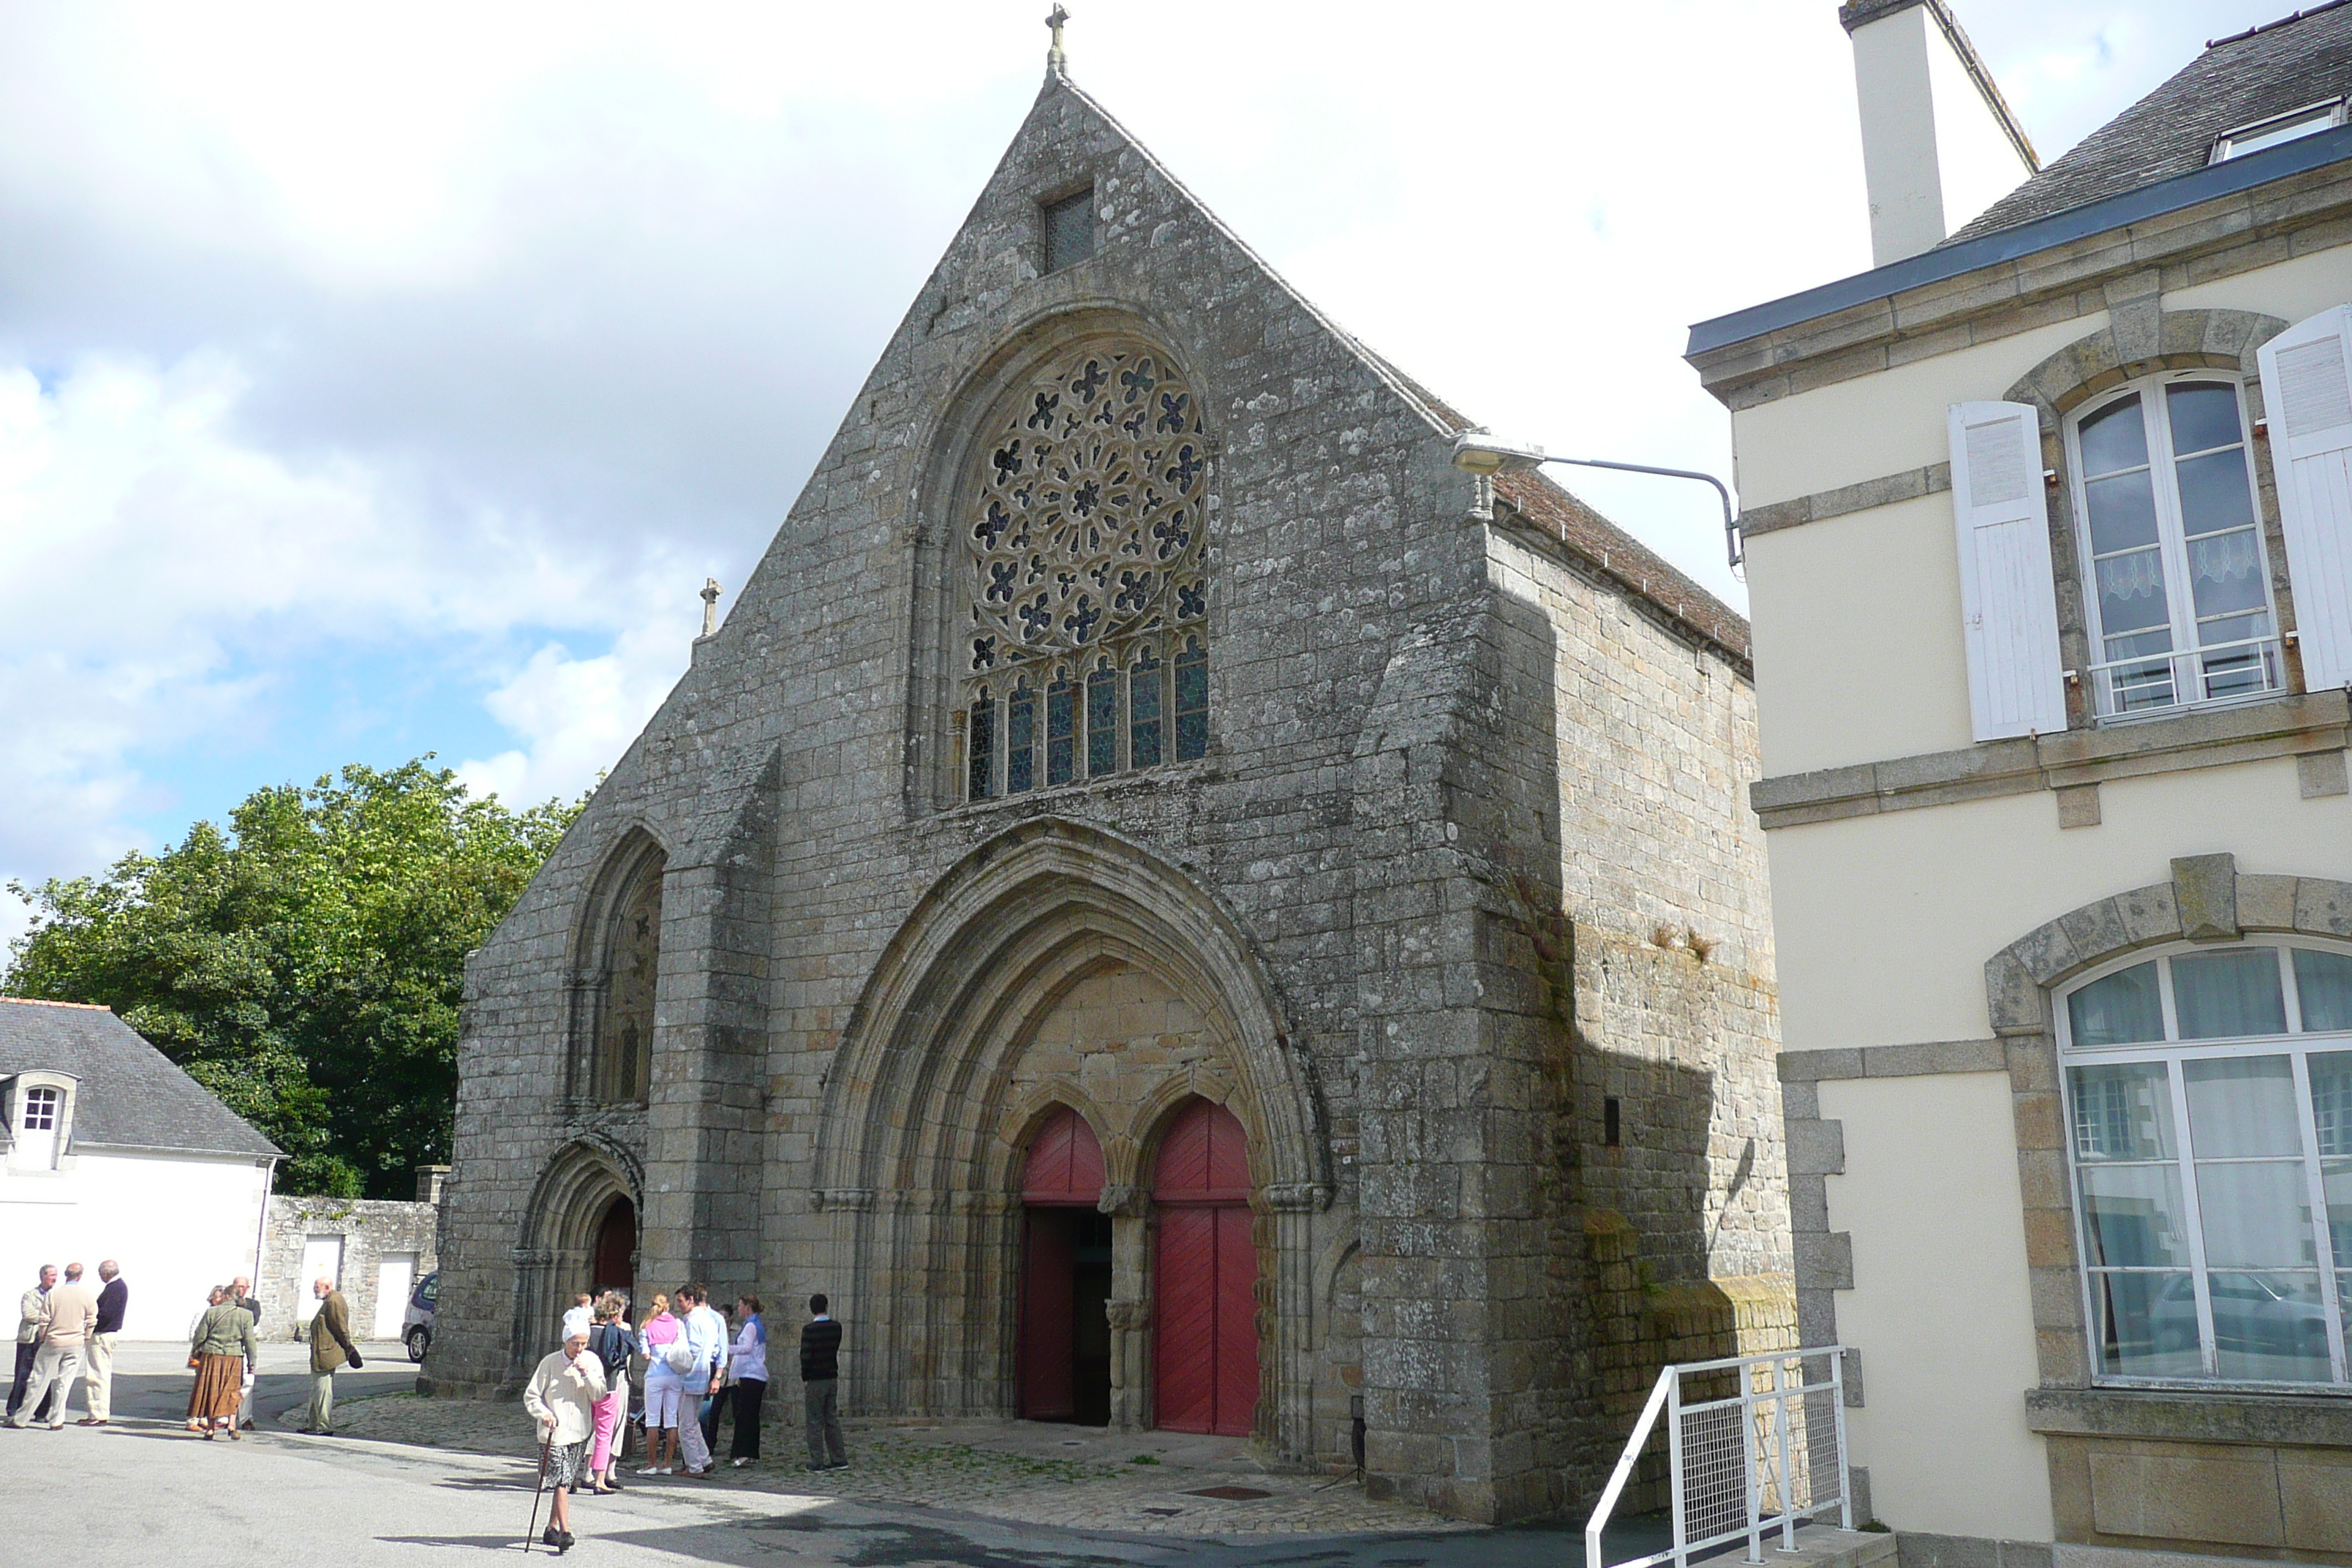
[218,1347]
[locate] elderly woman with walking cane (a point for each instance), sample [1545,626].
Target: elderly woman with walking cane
[562,1397]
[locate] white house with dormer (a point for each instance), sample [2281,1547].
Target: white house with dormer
[108,1150]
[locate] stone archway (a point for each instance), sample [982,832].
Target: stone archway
[966,1028]
[556,1254]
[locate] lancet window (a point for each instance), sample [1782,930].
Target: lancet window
[1082,632]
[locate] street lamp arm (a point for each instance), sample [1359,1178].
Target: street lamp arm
[1478,452]
[1730,515]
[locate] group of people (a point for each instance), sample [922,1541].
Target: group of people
[65,1331]
[224,1352]
[693,1360]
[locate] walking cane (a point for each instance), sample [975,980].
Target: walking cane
[531,1534]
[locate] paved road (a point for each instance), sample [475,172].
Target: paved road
[152,1378]
[144,1491]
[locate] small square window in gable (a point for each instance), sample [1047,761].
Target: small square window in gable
[1069,229]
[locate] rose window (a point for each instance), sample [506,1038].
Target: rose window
[1083,641]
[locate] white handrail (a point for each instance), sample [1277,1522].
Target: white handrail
[1761,1447]
[1624,1470]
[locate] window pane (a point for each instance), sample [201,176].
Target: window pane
[2225,574]
[2122,1112]
[2131,593]
[1191,702]
[2114,438]
[2256,1214]
[2121,1010]
[2270,1326]
[2214,493]
[1020,740]
[2203,416]
[2123,511]
[1102,724]
[2336,1184]
[981,775]
[1143,712]
[1061,733]
[2131,1217]
[2220,995]
[2324,981]
[2145,1325]
[2242,1108]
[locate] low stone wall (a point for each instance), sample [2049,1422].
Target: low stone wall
[370,1231]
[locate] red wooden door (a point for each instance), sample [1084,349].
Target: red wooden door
[1062,1177]
[1205,1319]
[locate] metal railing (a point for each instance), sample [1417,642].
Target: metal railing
[1768,1454]
[2162,682]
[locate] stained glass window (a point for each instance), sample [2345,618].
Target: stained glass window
[1083,535]
[980,759]
[1061,729]
[1143,711]
[1191,701]
[1020,739]
[1102,721]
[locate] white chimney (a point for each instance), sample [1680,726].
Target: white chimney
[1938,145]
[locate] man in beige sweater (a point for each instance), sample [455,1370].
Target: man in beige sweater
[73,1315]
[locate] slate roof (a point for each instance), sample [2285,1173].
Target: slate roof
[2300,59]
[130,1094]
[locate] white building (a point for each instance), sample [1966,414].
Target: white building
[110,1150]
[2050,557]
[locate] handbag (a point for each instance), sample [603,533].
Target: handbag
[678,1356]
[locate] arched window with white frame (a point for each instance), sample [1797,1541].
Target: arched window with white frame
[2209,1102]
[2177,577]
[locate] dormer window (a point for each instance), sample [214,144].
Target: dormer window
[39,1111]
[2280,128]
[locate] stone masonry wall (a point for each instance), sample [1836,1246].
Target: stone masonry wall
[370,1230]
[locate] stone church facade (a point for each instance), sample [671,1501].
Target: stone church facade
[1168,900]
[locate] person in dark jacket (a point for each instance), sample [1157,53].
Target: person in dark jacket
[820,1385]
[98,1356]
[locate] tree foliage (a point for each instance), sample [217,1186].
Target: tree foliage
[306,964]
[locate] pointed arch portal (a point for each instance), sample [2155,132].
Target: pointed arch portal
[979,1155]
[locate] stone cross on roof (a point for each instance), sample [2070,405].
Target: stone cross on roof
[1055,58]
[709,606]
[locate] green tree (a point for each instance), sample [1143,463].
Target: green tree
[306,964]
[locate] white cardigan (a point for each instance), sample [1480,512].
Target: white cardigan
[565,1392]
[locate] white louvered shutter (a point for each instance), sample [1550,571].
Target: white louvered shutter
[2308,392]
[2009,600]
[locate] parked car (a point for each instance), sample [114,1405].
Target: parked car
[416,1322]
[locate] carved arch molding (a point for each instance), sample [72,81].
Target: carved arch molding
[555,1246]
[924,1126]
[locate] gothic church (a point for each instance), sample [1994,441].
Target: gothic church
[1171,902]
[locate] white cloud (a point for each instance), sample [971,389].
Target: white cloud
[575,716]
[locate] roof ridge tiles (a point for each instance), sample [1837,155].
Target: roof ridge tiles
[45,1001]
[2259,27]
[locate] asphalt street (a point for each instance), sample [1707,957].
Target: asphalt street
[144,1490]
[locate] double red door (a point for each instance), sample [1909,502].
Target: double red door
[1205,1319]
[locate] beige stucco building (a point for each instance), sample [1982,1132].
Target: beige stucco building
[2048,527]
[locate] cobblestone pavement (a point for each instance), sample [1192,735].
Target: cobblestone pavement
[1021,1472]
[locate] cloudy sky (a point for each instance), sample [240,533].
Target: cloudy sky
[386,380]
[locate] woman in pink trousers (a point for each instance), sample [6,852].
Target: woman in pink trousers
[610,1342]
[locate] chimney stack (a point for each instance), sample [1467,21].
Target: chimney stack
[1938,143]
